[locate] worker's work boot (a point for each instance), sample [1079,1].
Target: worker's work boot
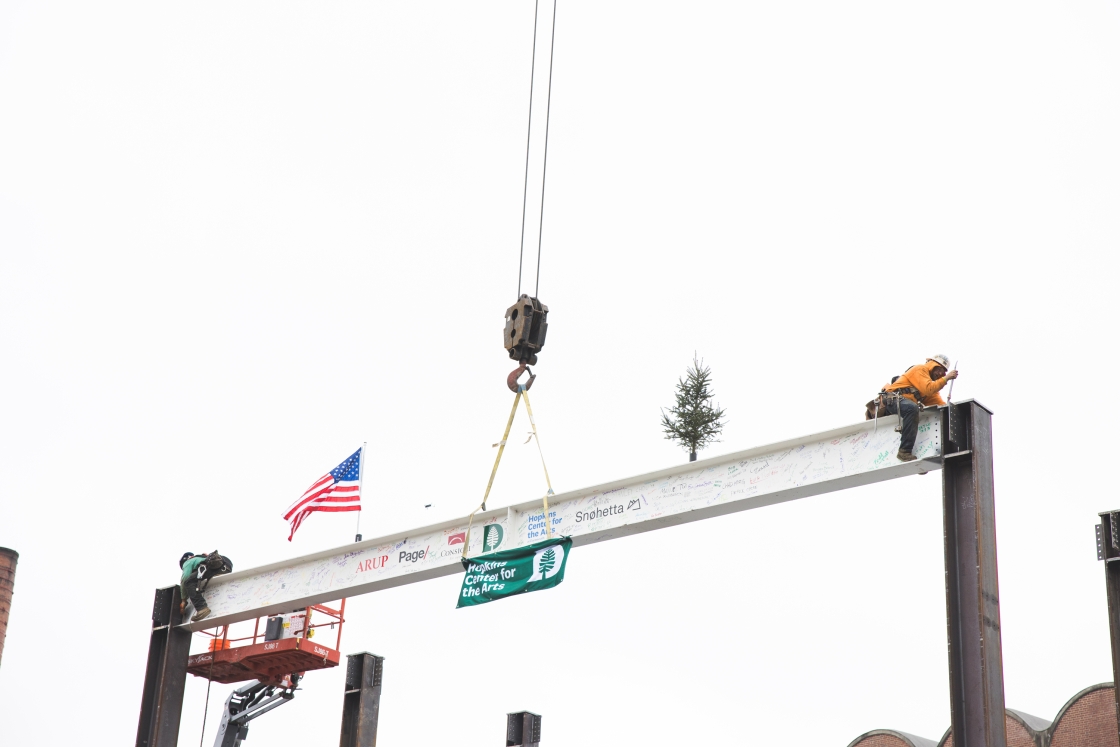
[903,456]
[203,613]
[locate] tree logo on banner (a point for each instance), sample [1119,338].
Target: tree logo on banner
[547,562]
[492,537]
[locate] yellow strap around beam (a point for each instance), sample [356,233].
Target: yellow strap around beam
[537,438]
[497,460]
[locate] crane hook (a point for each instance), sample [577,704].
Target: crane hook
[511,380]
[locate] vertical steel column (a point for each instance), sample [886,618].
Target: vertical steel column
[523,729]
[971,580]
[166,677]
[1108,550]
[362,701]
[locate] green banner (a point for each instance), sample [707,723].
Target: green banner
[507,572]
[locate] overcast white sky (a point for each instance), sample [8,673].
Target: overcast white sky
[238,240]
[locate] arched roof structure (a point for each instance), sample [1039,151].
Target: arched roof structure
[1023,730]
[890,738]
[1088,719]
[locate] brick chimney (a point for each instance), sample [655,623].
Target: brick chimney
[8,560]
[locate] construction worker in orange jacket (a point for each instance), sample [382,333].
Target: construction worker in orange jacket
[920,384]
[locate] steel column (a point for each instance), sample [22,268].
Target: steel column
[523,729]
[971,580]
[362,701]
[1108,550]
[166,677]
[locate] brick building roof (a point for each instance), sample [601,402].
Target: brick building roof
[1088,719]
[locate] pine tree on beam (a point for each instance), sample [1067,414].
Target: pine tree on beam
[694,422]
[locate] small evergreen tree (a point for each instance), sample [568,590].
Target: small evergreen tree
[693,422]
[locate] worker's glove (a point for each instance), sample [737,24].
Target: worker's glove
[214,561]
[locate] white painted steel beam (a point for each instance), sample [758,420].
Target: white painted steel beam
[835,460]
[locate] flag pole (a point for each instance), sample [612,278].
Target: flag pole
[361,473]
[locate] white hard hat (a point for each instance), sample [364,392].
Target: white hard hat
[940,359]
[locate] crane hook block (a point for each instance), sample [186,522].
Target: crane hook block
[526,325]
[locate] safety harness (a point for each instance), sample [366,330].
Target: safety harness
[894,396]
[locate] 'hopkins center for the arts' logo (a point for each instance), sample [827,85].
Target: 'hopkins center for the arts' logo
[547,562]
[492,537]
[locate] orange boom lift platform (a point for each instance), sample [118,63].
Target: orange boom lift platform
[283,649]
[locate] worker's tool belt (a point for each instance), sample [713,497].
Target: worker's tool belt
[878,406]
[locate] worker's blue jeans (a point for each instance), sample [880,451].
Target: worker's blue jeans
[909,421]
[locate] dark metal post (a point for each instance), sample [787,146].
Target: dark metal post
[971,580]
[523,729]
[1108,550]
[166,677]
[362,700]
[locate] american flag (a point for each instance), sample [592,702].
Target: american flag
[338,490]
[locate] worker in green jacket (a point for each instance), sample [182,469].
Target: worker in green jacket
[188,585]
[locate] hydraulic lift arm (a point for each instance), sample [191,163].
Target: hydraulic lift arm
[247,703]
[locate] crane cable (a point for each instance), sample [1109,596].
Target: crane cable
[528,137]
[522,390]
[206,709]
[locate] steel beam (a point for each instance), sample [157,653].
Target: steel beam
[971,580]
[161,705]
[362,701]
[1108,550]
[843,458]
